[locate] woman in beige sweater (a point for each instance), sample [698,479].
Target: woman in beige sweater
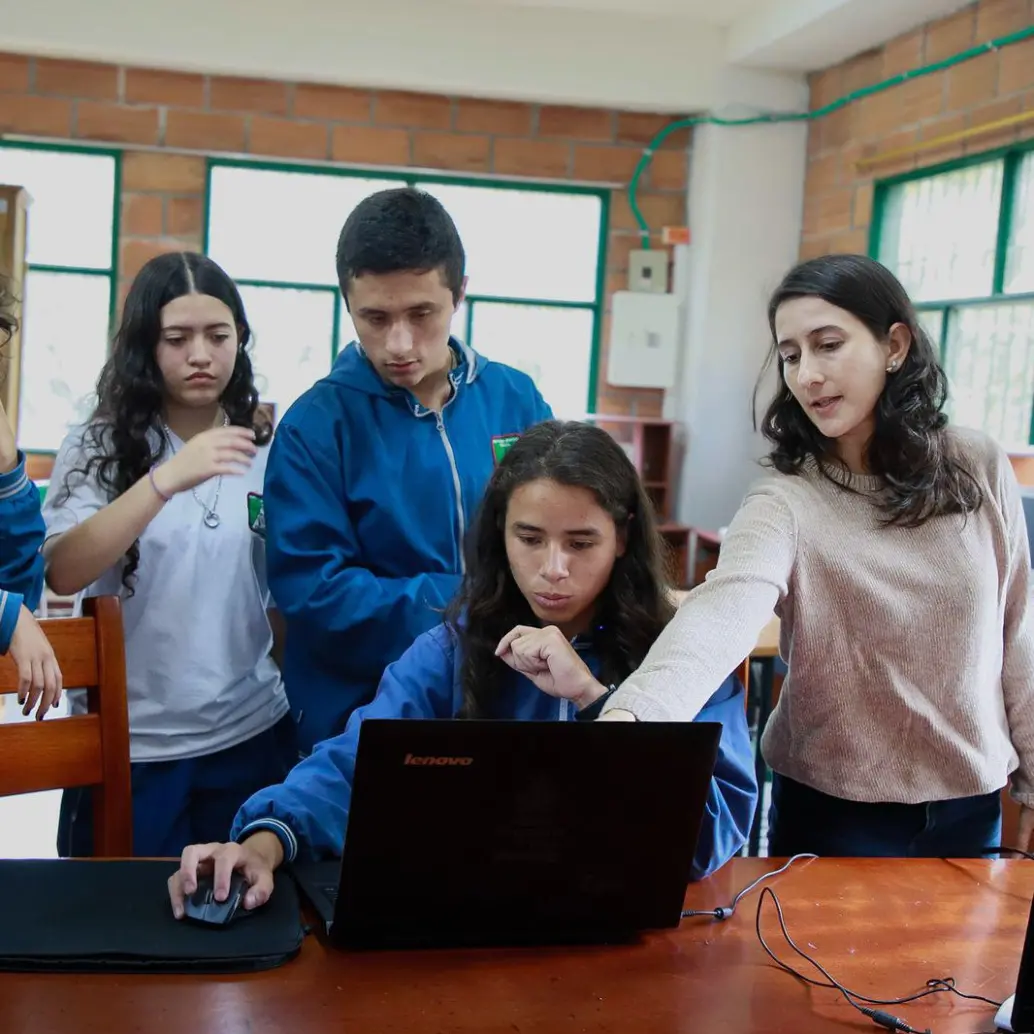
[893,548]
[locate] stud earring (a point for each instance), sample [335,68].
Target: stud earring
[892,367]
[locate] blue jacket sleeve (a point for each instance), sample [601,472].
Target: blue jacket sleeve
[309,810]
[312,558]
[733,795]
[21,535]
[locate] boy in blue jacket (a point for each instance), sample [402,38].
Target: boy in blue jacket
[375,471]
[21,564]
[563,596]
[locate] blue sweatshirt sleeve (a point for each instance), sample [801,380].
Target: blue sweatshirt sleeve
[309,810]
[312,557]
[21,535]
[733,795]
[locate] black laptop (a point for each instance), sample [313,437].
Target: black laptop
[1017,1011]
[508,832]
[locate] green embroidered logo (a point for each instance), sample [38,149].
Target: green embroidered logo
[501,445]
[256,514]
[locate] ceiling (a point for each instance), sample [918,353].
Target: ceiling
[707,11]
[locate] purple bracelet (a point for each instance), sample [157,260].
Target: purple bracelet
[161,495]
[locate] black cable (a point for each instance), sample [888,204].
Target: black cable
[940,985]
[726,911]
[1008,850]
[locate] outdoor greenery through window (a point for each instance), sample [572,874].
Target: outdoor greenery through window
[69,291]
[534,259]
[961,239]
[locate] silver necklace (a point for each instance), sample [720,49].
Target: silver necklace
[211,518]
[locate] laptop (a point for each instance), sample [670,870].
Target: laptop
[511,832]
[1017,1011]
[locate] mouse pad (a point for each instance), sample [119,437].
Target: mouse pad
[86,915]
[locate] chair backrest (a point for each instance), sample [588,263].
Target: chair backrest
[80,750]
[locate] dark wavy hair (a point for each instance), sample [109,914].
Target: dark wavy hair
[131,391]
[8,322]
[633,608]
[910,450]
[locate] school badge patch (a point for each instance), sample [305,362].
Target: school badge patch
[256,514]
[501,445]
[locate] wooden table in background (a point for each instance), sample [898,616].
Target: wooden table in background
[882,927]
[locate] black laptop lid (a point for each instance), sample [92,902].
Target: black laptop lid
[507,831]
[1023,1003]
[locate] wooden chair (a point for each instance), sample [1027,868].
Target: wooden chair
[80,750]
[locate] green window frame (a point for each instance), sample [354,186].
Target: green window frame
[108,272]
[951,320]
[595,307]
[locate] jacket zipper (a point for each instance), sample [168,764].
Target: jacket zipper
[455,484]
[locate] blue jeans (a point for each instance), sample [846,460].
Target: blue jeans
[192,801]
[802,820]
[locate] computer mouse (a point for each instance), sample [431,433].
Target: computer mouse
[201,907]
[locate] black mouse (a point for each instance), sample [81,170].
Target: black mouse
[201,907]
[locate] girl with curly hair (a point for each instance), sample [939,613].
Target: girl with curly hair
[149,500]
[892,546]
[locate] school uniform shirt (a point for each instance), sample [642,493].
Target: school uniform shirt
[21,535]
[199,675]
[309,811]
[368,498]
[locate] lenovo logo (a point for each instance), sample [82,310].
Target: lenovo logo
[414,759]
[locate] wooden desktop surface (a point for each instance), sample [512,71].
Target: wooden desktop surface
[883,927]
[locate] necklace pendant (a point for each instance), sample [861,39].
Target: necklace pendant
[211,519]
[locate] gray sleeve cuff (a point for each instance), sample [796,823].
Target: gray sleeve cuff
[284,834]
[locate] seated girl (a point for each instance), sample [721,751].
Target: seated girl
[564,588]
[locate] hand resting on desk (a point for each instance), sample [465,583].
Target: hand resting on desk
[256,859]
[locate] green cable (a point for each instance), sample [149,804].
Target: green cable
[805,116]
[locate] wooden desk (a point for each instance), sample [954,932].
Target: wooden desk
[881,927]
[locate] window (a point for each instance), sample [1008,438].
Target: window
[534,262]
[961,240]
[69,291]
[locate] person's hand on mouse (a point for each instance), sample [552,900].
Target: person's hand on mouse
[255,859]
[544,656]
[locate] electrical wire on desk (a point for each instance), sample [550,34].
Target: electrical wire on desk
[1002,849]
[724,912]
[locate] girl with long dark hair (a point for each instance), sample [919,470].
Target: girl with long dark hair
[892,546]
[149,500]
[564,594]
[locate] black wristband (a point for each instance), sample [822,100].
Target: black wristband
[592,712]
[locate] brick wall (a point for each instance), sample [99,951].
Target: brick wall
[838,195]
[171,113]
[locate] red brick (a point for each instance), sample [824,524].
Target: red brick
[287,139]
[824,213]
[950,36]
[14,73]
[854,242]
[185,217]
[116,122]
[864,70]
[619,247]
[972,82]
[370,144]
[835,128]
[997,18]
[668,170]
[496,117]
[826,87]
[261,95]
[174,173]
[987,114]
[142,215]
[203,131]
[902,142]
[464,152]
[531,158]
[862,211]
[659,210]
[577,123]
[135,253]
[903,54]
[157,86]
[605,164]
[943,126]
[823,173]
[332,103]
[35,116]
[813,247]
[77,79]
[412,110]
[636,127]
[1016,68]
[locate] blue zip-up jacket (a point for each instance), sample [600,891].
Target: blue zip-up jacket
[21,535]
[309,810]
[368,496]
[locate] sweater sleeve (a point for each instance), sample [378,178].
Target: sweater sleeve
[1018,636]
[719,621]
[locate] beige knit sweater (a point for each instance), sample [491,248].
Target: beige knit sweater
[911,663]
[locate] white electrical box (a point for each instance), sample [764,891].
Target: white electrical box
[644,330]
[648,271]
